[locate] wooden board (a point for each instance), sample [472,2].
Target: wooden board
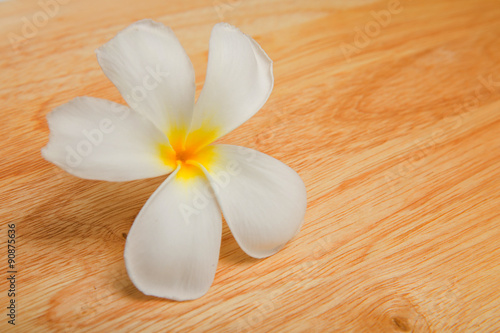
[390,112]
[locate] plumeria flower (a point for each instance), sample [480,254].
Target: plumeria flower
[173,246]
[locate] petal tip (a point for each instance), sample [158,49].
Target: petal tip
[154,291]
[227,26]
[44,153]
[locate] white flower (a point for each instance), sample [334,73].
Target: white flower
[173,246]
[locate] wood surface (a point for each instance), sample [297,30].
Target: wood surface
[392,121]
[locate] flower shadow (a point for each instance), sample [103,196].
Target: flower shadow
[230,252]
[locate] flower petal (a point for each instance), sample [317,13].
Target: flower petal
[238,82]
[148,65]
[94,138]
[173,246]
[262,199]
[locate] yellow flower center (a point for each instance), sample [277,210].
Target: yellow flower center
[183,156]
[188,151]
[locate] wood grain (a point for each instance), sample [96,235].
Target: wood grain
[397,140]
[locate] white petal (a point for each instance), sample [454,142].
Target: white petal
[173,246]
[152,71]
[262,199]
[238,82]
[97,139]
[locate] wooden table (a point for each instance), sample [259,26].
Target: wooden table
[390,112]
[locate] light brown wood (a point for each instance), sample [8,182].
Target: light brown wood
[392,121]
